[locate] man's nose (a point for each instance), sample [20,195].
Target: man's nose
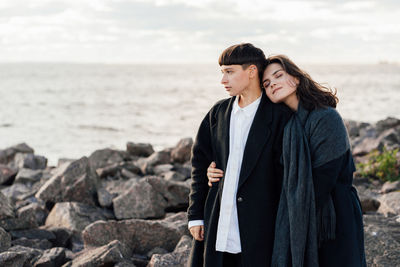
[224,80]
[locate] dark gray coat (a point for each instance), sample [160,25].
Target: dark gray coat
[259,182]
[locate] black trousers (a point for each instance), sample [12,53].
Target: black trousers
[232,260]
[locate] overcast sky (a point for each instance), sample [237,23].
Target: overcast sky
[176,31]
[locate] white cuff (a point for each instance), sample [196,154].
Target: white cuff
[195,223]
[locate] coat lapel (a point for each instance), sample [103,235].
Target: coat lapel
[223,119]
[258,136]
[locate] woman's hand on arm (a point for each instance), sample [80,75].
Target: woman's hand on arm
[213,174]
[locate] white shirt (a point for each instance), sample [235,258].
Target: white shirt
[228,237]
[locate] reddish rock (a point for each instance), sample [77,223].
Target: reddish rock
[75,216]
[107,255]
[7,155]
[140,201]
[51,258]
[76,181]
[30,161]
[139,149]
[182,151]
[105,157]
[178,258]
[141,236]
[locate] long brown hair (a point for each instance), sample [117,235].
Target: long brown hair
[311,94]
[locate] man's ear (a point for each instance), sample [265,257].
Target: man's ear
[253,71]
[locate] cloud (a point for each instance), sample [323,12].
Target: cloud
[185,31]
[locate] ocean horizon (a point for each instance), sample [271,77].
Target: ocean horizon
[69,110]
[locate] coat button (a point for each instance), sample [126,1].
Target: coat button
[240,199]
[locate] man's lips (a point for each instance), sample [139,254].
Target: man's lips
[227,88]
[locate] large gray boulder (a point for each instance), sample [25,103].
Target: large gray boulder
[140,201]
[28,176]
[178,258]
[75,216]
[5,240]
[112,188]
[74,182]
[107,255]
[19,256]
[141,236]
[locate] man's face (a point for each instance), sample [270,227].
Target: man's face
[235,79]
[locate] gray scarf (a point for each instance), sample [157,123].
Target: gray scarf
[299,227]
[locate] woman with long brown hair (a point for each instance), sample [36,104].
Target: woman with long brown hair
[319,218]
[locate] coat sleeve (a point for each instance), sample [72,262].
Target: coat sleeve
[200,159]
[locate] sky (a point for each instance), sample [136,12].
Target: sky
[185,31]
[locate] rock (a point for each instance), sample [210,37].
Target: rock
[62,235]
[41,244]
[147,165]
[140,201]
[386,124]
[139,149]
[141,236]
[110,189]
[107,255]
[39,212]
[176,193]
[6,208]
[30,161]
[36,233]
[179,257]
[390,187]
[366,145]
[390,203]
[173,176]
[124,264]
[185,169]
[7,155]
[128,169]
[5,240]
[159,169]
[28,176]
[30,255]
[19,192]
[353,127]
[75,216]
[382,241]
[52,258]
[105,157]
[369,204]
[156,250]
[182,152]
[16,223]
[13,259]
[7,174]
[76,182]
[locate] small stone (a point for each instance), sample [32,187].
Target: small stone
[139,149]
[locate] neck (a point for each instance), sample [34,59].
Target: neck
[292,102]
[249,96]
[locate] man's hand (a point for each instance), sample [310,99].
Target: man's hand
[197,232]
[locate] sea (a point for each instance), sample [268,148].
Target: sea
[66,110]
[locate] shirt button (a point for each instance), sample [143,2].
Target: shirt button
[240,199]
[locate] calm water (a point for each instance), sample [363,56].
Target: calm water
[70,110]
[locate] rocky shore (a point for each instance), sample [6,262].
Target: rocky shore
[127,208]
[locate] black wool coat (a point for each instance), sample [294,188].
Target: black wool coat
[259,182]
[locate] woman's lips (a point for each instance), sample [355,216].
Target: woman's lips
[276,89]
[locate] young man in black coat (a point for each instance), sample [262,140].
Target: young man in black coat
[233,221]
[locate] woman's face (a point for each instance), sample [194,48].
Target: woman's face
[280,86]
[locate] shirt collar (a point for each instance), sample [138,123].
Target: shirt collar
[248,110]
